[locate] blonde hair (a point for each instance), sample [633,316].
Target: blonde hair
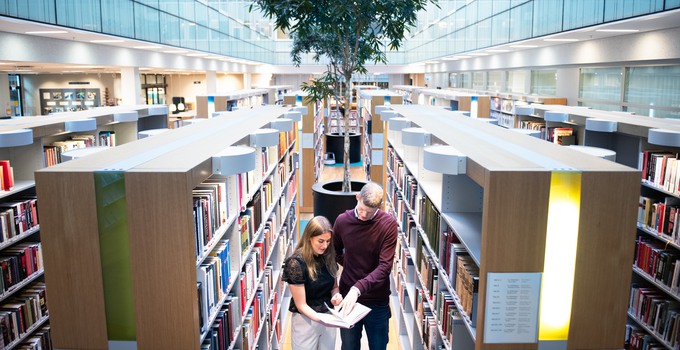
[317,226]
[371,195]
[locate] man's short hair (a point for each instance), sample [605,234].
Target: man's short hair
[371,195]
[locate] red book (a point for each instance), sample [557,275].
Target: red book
[7,176]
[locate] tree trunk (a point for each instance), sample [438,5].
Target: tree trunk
[346,185]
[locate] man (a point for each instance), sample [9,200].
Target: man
[365,240]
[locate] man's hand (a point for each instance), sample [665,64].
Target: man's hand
[349,301]
[336,299]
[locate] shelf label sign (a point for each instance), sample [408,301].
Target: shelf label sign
[512,301]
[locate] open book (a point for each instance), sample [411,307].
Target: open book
[335,318]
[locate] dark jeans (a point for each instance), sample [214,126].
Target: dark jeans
[377,329]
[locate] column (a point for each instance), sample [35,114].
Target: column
[131,87]
[210,82]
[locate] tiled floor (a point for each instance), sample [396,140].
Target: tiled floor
[331,173]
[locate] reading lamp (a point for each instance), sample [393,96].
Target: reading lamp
[557,283]
[295,116]
[282,124]
[444,159]
[387,115]
[264,138]
[150,132]
[234,160]
[125,117]
[15,138]
[552,116]
[398,124]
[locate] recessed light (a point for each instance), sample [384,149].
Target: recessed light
[147,47]
[524,46]
[497,51]
[431,62]
[176,51]
[462,56]
[450,58]
[197,54]
[107,41]
[561,40]
[618,30]
[479,54]
[47,32]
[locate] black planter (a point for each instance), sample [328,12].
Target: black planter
[330,201]
[335,143]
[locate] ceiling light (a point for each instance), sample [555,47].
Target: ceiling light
[176,51]
[462,56]
[479,54]
[497,51]
[524,46]
[450,58]
[147,47]
[197,54]
[107,41]
[48,32]
[561,40]
[431,62]
[618,30]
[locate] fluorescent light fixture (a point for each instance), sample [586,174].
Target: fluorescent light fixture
[497,51]
[618,30]
[557,284]
[462,56]
[147,47]
[561,40]
[431,62]
[47,32]
[524,46]
[450,58]
[102,41]
[479,54]
[197,54]
[175,51]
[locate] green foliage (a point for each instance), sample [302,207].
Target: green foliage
[348,33]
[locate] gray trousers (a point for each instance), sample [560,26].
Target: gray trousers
[309,335]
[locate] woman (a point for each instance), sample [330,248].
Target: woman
[311,275]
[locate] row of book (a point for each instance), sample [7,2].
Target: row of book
[639,339]
[210,208]
[18,263]
[285,140]
[214,275]
[52,152]
[660,169]
[22,311]
[6,175]
[660,217]
[403,179]
[659,263]
[41,339]
[467,286]
[18,216]
[657,311]
[222,332]
[427,323]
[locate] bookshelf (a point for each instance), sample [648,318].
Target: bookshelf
[128,270]
[23,145]
[477,104]
[480,195]
[410,94]
[373,142]
[503,106]
[312,145]
[634,139]
[275,93]
[206,105]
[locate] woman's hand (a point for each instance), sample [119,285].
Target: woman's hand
[336,299]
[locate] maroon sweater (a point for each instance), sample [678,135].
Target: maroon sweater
[366,249]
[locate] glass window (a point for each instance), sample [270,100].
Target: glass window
[37,10]
[465,80]
[544,82]
[517,81]
[169,6]
[496,80]
[500,27]
[484,33]
[600,84]
[202,38]
[169,29]
[500,6]
[117,20]
[479,80]
[582,13]
[187,34]
[547,17]
[484,9]
[671,4]
[616,9]
[79,14]
[520,22]
[653,86]
[147,23]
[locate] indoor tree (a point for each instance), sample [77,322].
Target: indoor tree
[346,34]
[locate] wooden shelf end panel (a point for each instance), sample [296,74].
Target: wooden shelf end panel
[71,252]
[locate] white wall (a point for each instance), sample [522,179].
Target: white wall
[33,84]
[4,93]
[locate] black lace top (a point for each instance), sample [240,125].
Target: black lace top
[317,292]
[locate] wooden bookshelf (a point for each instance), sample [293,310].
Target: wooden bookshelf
[457,100]
[155,261]
[206,105]
[373,141]
[498,208]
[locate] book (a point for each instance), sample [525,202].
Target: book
[336,319]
